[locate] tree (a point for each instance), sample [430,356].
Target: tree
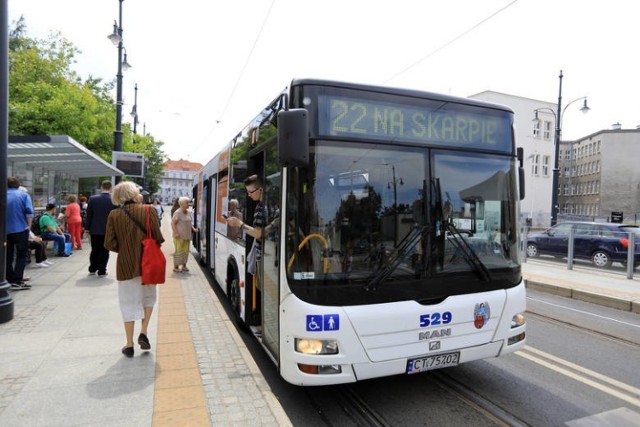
[153,155]
[46,97]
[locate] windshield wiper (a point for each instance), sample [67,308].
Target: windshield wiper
[461,245]
[469,255]
[403,249]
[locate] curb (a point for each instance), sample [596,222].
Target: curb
[586,296]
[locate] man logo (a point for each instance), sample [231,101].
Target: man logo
[438,333]
[434,345]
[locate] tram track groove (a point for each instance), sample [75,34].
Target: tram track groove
[349,403]
[501,416]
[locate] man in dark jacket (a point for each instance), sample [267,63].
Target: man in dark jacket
[98,211]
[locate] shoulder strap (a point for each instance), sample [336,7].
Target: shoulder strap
[149,235]
[134,220]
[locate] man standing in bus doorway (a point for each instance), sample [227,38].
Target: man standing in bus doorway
[255,189]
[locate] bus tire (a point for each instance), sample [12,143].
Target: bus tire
[235,297]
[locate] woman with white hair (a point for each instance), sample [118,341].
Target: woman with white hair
[182,226]
[126,228]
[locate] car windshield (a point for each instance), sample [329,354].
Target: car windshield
[384,223]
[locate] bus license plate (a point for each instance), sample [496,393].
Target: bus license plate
[432,362]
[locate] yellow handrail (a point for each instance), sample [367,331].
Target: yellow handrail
[304,242]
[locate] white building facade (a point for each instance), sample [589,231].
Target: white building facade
[177,180]
[537,140]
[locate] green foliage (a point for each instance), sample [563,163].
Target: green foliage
[46,97]
[153,154]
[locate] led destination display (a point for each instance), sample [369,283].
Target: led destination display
[453,125]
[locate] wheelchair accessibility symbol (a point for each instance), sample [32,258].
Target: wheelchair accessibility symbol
[323,322]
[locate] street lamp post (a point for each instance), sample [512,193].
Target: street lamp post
[558,114]
[6,301]
[134,111]
[116,39]
[556,160]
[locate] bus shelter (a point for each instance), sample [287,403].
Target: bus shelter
[50,166]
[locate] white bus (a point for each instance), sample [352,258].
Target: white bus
[393,245]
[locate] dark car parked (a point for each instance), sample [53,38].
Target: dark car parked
[600,242]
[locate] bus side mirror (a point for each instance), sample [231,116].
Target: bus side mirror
[293,137]
[521,182]
[520,156]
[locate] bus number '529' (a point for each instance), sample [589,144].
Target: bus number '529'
[435,319]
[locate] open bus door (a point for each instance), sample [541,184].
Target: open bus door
[265,289]
[197,219]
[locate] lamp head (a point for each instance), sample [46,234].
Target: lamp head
[125,64]
[114,36]
[536,119]
[585,108]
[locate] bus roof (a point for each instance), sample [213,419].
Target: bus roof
[399,91]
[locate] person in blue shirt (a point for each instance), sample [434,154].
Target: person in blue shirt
[19,217]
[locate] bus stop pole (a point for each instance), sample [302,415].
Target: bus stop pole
[6,302]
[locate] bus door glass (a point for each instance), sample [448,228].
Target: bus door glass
[200,215]
[210,231]
[270,251]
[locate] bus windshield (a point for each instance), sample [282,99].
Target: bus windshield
[372,223]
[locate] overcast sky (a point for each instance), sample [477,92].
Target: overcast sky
[205,68]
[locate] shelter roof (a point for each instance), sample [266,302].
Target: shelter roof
[58,153]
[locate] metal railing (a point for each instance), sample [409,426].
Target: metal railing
[630,261]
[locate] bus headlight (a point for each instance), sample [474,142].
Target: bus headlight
[314,346]
[517,320]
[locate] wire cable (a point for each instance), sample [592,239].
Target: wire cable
[456,38]
[240,75]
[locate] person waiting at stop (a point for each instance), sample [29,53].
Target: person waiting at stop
[52,231]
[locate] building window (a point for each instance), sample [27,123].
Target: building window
[536,129]
[547,130]
[535,165]
[546,161]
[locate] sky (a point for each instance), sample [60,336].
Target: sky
[204,69]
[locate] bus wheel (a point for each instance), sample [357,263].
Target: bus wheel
[236,301]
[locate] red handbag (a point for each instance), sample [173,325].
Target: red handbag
[154,263]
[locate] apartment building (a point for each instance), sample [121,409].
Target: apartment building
[177,180]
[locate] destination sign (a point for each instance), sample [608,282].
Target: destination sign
[450,124]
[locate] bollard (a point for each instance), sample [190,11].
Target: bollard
[572,233]
[631,255]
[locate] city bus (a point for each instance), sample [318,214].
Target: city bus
[391,243]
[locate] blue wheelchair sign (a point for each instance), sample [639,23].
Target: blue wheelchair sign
[320,322]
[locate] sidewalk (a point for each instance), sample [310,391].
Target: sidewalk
[603,287]
[62,366]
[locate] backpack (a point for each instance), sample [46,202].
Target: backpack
[83,215]
[35,225]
